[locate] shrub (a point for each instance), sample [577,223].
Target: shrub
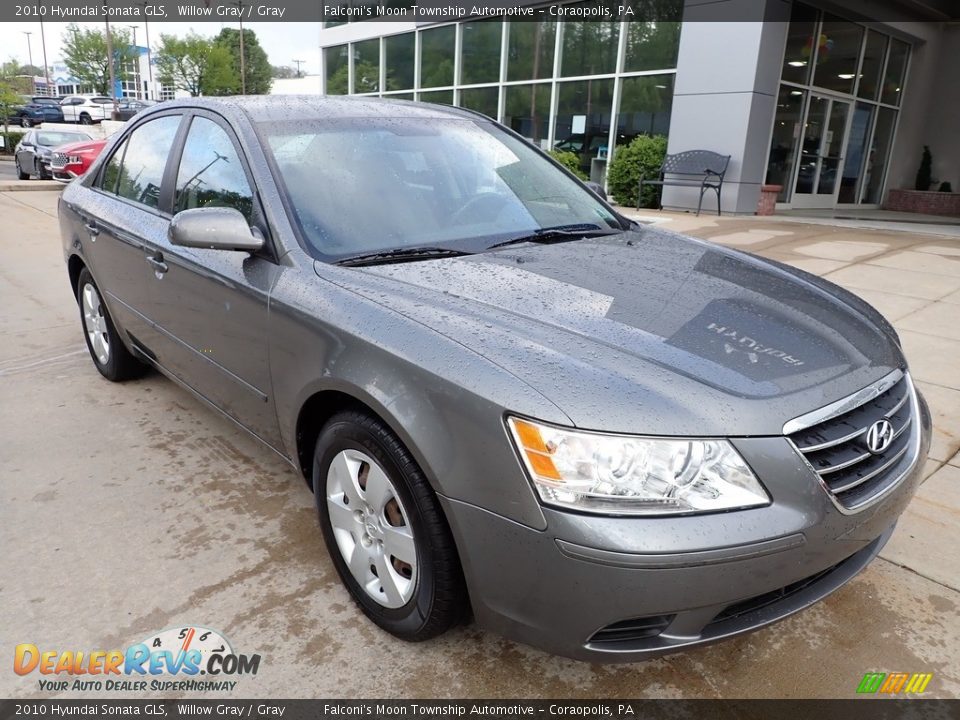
[642,157]
[945,186]
[923,174]
[571,161]
[10,140]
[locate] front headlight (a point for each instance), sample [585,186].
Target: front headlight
[626,475]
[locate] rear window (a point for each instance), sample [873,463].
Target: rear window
[102,101]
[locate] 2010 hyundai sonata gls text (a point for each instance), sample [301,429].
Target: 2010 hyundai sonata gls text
[606,440]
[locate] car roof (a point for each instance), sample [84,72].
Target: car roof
[278,108]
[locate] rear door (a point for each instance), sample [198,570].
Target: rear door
[123,217]
[69,106]
[210,306]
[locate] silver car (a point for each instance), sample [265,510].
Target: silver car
[604,439]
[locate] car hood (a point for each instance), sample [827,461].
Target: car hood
[81,145]
[649,332]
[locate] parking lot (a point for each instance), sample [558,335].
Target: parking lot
[129,509]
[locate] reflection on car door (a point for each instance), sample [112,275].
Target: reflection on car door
[210,306]
[122,217]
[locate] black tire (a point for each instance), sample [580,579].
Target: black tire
[25,121]
[439,600]
[120,364]
[20,173]
[85,119]
[38,168]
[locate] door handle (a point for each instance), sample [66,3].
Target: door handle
[157,263]
[92,229]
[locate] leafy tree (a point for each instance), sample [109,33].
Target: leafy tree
[282,72]
[257,68]
[85,55]
[197,65]
[9,99]
[366,78]
[571,161]
[641,158]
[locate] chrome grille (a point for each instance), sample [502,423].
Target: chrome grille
[837,449]
[59,160]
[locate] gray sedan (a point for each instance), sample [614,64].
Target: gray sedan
[605,440]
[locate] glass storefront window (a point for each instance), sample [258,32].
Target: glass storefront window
[838,54]
[436,56]
[879,155]
[896,70]
[481,99]
[480,52]
[872,65]
[644,107]
[366,66]
[527,111]
[337,70]
[441,97]
[651,45]
[589,48]
[399,96]
[582,125]
[530,50]
[787,126]
[799,52]
[856,149]
[399,51]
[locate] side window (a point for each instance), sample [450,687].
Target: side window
[111,171]
[211,174]
[145,160]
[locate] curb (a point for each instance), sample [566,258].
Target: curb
[28,185]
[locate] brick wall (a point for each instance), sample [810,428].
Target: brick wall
[928,203]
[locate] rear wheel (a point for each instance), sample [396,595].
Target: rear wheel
[25,121]
[107,350]
[385,530]
[85,119]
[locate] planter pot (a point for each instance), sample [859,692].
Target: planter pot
[928,202]
[768,199]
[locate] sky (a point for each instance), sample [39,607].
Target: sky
[283,42]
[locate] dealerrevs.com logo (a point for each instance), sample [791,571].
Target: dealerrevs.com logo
[894,683]
[195,657]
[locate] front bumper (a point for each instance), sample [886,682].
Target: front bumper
[622,589]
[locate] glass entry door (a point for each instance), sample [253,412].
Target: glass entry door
[821,152]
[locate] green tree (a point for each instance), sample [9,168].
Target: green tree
[85,55]
[257,70]
[283,72]
[197,65]
[9,99]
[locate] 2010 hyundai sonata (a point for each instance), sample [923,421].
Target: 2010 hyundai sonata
[607,440]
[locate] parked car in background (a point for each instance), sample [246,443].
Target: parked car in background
[36,109]
[128,107]
[607,440]
[35,151]
[86,109]
[72,160]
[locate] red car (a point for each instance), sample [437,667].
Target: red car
[72,160]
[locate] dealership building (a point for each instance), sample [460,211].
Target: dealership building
[833,101]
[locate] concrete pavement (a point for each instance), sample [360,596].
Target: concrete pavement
[128,509]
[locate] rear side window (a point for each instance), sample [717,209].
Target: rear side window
[211,174]
[111,172]
[143,163]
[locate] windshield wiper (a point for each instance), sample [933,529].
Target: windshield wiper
[401,255]
[560,233]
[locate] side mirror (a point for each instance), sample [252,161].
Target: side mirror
[597,189]
[213,228]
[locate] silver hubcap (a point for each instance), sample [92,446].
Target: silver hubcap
[95,324]
[371,528]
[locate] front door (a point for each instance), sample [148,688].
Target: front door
[821,152]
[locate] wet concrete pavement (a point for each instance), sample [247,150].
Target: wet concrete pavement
[128,509]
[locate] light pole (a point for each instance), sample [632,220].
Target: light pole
[136,61]
[113,78]
[29,49]
[146,29]
[46,67]
[243,69]
[299,63]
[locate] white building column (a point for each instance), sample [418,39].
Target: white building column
[726,93]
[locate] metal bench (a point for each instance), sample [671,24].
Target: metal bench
[692,168]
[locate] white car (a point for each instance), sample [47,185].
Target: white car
[86,109]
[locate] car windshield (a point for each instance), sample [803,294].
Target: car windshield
[53,139]
[366,185]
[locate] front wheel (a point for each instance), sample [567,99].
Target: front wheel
[20,173]
[26,122]
[385,530]
[107,350]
